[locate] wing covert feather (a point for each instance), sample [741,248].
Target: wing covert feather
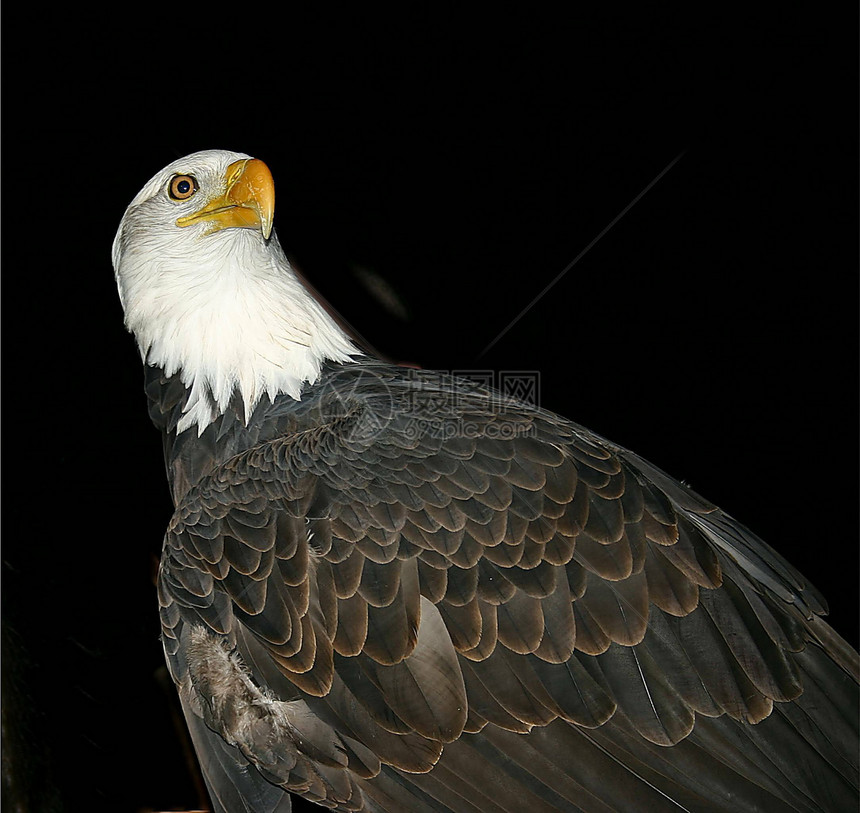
[419,588]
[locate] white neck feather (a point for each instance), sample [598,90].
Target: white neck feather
[235,318]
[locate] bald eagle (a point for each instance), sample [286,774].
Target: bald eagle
[385,589]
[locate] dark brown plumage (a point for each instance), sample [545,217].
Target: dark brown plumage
[418,592]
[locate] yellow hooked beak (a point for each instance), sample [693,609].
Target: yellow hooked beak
[247,203]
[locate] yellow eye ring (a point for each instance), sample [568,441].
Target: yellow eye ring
[182,187]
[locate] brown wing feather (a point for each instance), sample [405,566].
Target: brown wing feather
[419,589]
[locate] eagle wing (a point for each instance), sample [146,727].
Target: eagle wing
[376,600]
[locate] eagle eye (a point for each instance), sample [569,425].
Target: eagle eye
[182,187]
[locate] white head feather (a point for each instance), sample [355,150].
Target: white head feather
[222,309]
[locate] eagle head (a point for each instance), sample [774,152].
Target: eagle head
[208,292]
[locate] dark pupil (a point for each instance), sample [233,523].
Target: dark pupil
[183,187]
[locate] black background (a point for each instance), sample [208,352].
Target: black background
[465,161]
